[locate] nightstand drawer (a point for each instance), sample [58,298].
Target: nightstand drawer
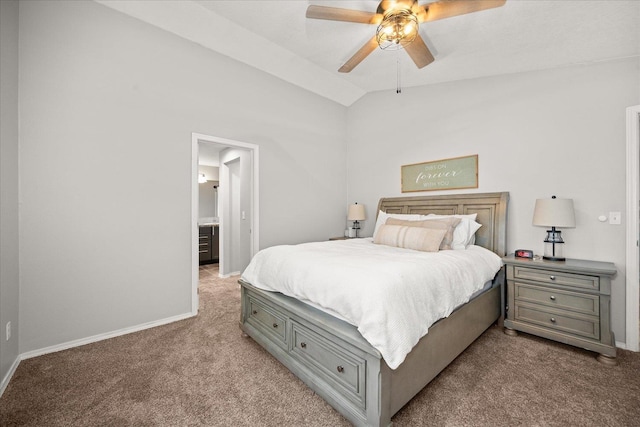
[575,324]
[342,370]
[556,277]
[269,321]
[579,302]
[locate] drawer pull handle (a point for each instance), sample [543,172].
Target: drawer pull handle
[254,312]
[275,325]
[552,277]
[340,369]
[552,297]
[303,344]
[553,320]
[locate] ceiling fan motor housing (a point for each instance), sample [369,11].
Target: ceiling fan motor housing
[398,28]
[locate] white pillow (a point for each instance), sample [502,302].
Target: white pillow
[465,232]
[382,219]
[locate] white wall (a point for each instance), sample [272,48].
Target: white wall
[106,238]
[212,173]
[207,194]
[9,244]
[537,134]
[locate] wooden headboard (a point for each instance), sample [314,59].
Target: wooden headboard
[490,207]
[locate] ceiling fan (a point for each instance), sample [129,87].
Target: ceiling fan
[398,22]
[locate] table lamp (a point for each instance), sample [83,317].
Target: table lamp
[554,213]
[356,213]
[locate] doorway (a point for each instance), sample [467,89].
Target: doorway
[238,206]
[633,230]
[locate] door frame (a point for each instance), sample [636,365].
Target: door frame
[633,250]
[254,209]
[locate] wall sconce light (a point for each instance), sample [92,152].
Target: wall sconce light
[356,213]
[554,213]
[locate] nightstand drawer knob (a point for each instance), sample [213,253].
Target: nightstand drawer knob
[340,369]
[552,277]
[275,325]
[552,297]
[303,344]
[553,320]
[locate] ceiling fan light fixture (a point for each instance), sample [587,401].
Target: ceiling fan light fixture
[398,24]
[398,28]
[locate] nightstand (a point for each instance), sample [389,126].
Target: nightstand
[566,301]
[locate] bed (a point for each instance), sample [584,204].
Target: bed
[332,357]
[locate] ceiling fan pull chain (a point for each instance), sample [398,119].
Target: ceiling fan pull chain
[398,85]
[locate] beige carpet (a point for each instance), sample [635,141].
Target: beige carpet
[201,372]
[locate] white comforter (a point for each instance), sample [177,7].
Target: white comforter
[392,295]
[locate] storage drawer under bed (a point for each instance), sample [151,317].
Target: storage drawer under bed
[343,370]
[268,320]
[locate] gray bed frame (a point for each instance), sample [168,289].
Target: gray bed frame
[334,360]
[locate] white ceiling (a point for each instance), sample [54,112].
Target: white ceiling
[522,35]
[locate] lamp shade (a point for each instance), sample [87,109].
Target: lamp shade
[554,213]
[356,213]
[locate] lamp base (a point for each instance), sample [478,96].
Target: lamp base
[356,227]
[554,246]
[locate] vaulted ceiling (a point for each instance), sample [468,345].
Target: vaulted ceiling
[276,37]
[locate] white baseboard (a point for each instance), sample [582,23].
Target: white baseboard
[100,337]
[226,276]
[621,345]
[7,378]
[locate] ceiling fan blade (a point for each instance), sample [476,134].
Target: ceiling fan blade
[448,8]
[364,51]
[346,15]
[419,52]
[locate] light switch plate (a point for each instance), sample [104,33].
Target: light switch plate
[614,218]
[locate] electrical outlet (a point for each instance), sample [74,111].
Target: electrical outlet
[614,218]
[8,331]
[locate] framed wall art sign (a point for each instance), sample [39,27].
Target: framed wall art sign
[447,174]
